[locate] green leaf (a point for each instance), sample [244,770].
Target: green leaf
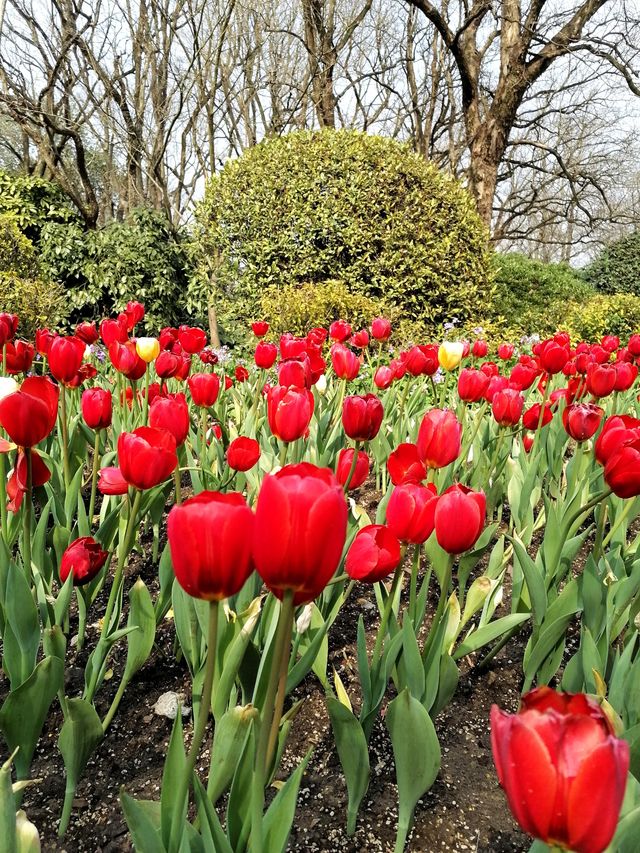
[279,817]
[7,809]
[353,752]
[416,753]
[534,579]
[212,831]
[80,735]
[173,813]
[145,835]
[142,619]
[488,633]
[24,711]
[22,641]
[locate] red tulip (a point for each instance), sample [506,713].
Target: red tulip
[374,554]
[531,418]
[125,359]
[228,383]
[496,384]
[563,770]
[361,339]
[634,345]
[553,355]
[345,461]
[439,438]
[300,530]
[171,413]
[622,471]
[208,356]
[134,313]
[381,329]
[316,337]
[97,406]
[83,558]
[260,328]
[44,339]
[166,365]
[192,339]
[289,411]
[490,368]
[626,375]
[243,453]
[617,431]
[527,442]
[345,363]
[422,360]
[362,416]
[19,356]
[8,327]
[459,518]
[65,357]
[17,483]
[522,376]
[167,337]
[147,456]
[472,384]
[479,349]
[340,331]
[411,510]
[505,351]
[601,379]
[111,482]
[265,355]
[87,333]
[581,420]
[405,465]
[295,371]
[292,347]
[29,414]
[507,406]
[610,343]
[398,366]
[241,373]
[114,331]
[210,537]
[383,377]
[204,388]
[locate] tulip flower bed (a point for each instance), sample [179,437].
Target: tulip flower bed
[344,566]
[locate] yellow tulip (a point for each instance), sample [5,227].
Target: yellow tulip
[148,349]
[450,354]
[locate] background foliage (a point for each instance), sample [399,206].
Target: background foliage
[617,268]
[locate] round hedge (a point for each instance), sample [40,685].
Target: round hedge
[365,210]
[617,268]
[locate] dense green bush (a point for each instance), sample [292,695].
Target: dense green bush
[17,252]
[533,296]
[139,258]
[617,314]
[33,202]
[341,205]
[37,303]
[617,268]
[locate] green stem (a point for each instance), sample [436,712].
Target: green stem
[442,603]
[145,410]
[26,517]
[175,837]
[283,454]
[203,446]
[94,476]
[269,719]
[384,621]
[352,470]
[4,358]
[65,436]
[178,486]
[4,523]
[413,587]
[545,397]
[125,547]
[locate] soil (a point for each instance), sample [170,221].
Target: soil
[464,811]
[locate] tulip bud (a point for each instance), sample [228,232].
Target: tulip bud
[479,590]
[228,741]
[26,835]
[304,619]
[148,349]
[54,643]
[321,384]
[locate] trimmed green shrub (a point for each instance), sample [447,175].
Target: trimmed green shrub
[618,314]
[617,268]
[533,296]
[17,253]
[313,207]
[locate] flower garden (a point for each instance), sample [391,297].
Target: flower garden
[322,554]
